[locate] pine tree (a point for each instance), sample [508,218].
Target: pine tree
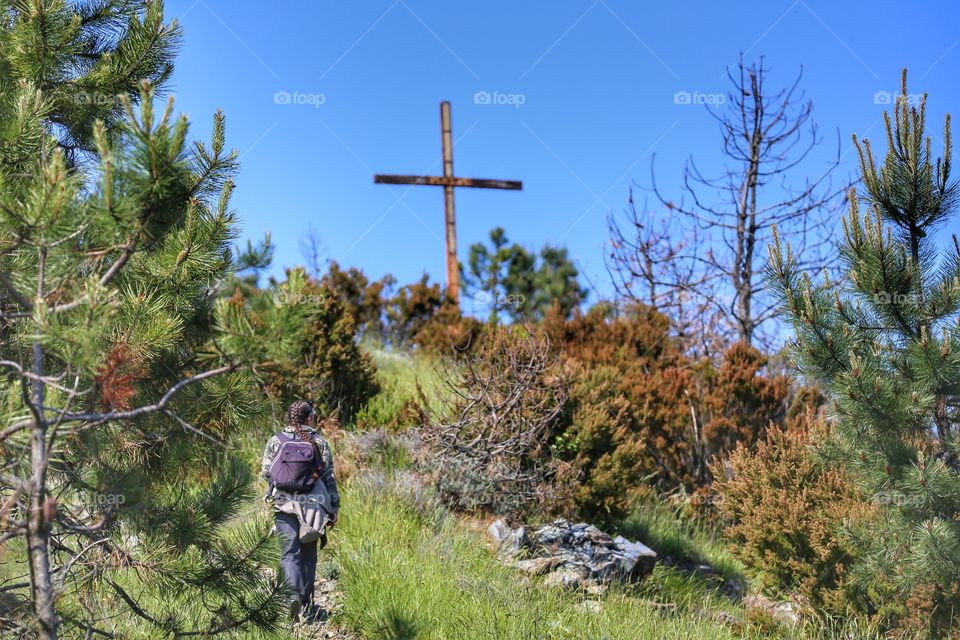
[883,340]
[119,410]
[512,280]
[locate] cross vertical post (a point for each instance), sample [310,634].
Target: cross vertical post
[449,209]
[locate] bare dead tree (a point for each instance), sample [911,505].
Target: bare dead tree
[312,250]
[702,262]
[648,264]
[488,448]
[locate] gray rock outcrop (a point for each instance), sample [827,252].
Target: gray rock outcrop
[575,555]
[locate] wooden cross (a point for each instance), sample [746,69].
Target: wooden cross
[448,181]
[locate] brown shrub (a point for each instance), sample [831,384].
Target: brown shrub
[641,413]
[786,513]
[364,300]
[424,316]
[743,401]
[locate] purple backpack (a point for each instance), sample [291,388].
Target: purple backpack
[296,466]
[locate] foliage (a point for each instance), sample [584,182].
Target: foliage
[82,56]
[408,569]
[742,401]
[786,512]
[424,316]
[641,414]
[119,408]
[882,343]
[365,301]
[509,279]
[305,342]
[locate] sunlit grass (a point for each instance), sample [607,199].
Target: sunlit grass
[398,374]
[418,573]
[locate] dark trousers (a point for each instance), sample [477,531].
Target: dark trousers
[297,559]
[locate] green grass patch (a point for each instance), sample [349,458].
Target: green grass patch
[398,374]
[669,534]
[416,572]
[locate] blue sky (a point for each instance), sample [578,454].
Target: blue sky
[583,94]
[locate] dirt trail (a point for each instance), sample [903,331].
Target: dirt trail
[327,598]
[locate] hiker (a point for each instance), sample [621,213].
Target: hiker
[298,466]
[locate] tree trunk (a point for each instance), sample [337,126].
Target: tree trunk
[38,541]
[38,522]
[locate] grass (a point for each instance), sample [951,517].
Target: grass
[415,572]
[398,374]
[664,530]
[408,569]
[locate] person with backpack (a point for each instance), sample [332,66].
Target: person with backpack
[298,466]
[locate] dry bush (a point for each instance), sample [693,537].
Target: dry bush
[786,515]
[489,448]
[642,415]
[424,316]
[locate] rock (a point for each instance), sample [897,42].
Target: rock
[644,557]
[509,541]
[499,530]
[568,578]
[574,555]
[538,566]
[590,606]
[784,612]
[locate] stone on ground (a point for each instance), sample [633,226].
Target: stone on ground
[573,555]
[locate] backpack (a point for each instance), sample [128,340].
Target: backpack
[296,466]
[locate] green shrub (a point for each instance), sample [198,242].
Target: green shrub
[315,354]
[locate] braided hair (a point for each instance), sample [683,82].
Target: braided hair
[297,415]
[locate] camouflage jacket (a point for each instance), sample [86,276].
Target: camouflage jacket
[327,477]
